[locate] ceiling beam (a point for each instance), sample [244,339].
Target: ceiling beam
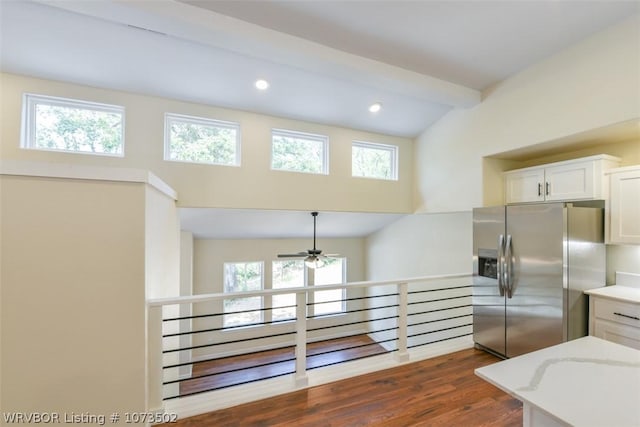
[209,28]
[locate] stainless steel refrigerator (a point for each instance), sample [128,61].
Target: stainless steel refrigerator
[531,264]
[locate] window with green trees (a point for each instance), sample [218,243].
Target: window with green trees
[201,140]
[286,274]
[242,277]
[372,160]
[299,152]
[60,124]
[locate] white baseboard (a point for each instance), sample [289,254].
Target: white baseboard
[232,396]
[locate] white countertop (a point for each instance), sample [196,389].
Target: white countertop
[619,293]
[627,288]
[584,382]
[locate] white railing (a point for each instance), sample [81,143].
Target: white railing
[395,316]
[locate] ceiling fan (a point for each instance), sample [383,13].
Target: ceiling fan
[313,258]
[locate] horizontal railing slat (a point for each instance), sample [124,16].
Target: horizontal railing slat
[366,332]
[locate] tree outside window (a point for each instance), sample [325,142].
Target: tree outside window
[77,126]
[299,152]
[200,140]
[286,274]
[371,160]
[242,277]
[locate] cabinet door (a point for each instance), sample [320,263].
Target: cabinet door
[524,186]
[625,207]
[570,181]
[618,333]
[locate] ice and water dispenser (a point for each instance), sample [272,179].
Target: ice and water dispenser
[488,263]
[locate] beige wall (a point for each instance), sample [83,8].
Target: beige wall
[162,279]
[253,185]
[210,256]
[79,259]
[591,85]
[73,296]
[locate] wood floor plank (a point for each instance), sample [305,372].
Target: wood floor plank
[443,391]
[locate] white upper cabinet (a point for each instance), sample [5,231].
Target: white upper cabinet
[623,213]
[524,186]
[579,179]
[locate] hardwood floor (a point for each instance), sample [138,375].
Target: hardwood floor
[442,391]
[246,368]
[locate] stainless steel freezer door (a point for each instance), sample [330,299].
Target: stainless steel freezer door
[534,313]
[488,304]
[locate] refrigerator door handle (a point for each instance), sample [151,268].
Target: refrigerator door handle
[500,265]
[508,267]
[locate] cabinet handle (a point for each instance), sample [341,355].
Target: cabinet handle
[539,189]
[546,188]
[627,316]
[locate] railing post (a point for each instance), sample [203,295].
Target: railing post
[403,300]
[154,359]
[301,378]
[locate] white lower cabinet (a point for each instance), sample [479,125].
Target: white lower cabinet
[615,332]
[616,321]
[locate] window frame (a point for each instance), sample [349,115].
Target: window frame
[305,281]
[393,149]
[261,321]
[29,117]
[343,307]
[324,139]
[201,121]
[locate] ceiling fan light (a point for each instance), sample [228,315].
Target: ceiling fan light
[312,261]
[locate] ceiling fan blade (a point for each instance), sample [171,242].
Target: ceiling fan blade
[331,255]
[298,255]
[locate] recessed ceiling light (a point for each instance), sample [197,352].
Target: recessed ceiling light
[374,108]
[262,84]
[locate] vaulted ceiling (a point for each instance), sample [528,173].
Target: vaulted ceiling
[326,62]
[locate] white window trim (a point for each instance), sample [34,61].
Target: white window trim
[305,282]
[203,121]
[393,149]
[343,307]
[28,130]
[303,135]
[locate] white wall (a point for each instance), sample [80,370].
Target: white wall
[590,85]
[624,258]
[162,245]
[415,246]
[421,245]
[252,185]
[162,279]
